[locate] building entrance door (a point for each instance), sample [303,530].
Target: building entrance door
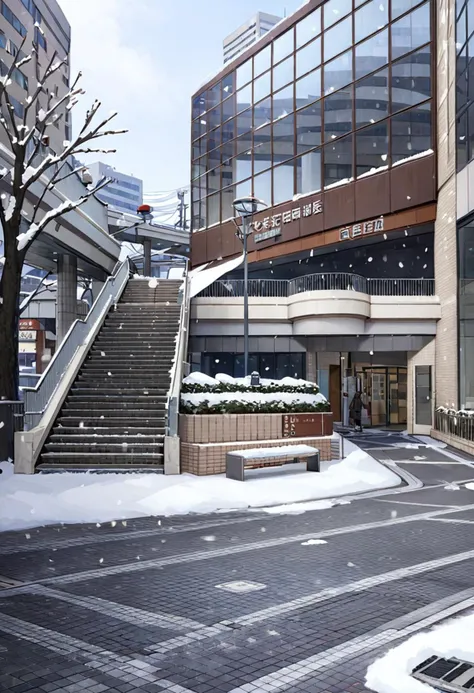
[385,390]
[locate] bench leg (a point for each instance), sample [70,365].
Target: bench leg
[313,464]
[234,467]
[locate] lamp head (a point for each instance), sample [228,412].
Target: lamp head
[247,206]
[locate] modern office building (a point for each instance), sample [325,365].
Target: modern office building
[123,192]
[43,24]
[331,120]
[246,35]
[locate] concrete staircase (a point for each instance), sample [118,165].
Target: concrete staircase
[114,415]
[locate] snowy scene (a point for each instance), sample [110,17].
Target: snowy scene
[236,351]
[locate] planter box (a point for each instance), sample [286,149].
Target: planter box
[227,428]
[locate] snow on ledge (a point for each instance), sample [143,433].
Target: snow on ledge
[276,451]
[392,672]
[420,155]
[343,181]
[372,172]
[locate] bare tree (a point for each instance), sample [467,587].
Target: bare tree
[27,136]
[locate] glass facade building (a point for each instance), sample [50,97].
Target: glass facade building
[343,93]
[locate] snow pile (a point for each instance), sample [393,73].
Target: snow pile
[456,412]
[214,398]
[197,378]
[391,673]
[30,501]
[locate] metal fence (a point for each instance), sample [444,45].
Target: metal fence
[456,424]
[38,398]
[329,281]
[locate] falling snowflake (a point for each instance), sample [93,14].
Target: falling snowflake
[102,353]
[109,373]
[370,259]
[393,514]
[400,264]
[209,537]
[2,424]
[101,560]
[351,565]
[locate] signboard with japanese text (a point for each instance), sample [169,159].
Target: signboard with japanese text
[270,227]
[27,336]
[301,425]
[363,229]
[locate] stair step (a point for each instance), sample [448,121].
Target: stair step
[101,458]
[99,446]
[118,439]
[117,397]
[112,408]
[52,468]
[96,422]
[109,432]
[125,391]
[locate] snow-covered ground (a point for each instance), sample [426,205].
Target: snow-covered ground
[30,501]
[391,673]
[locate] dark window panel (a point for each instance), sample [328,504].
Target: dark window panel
[411,80]
[229,130]
[284,139]
[283,102]
[370,18]
[461,29]
[228,108]
[470,130]
[214,118]
[283,182]
[338,161]
[199,105]
[283,73]
[308,88]
[337,39]
[214,139]
[283,46]
[371,54]
[411,132]
[338,114]
[372,98]
[372,148]
[199,127]
[244,122]
[213,209]
[338,72]
[214,181]
[213,159]
[308,58]
[308,128]
[228,197]
[470,19]
[243,144]
[334,10]
[214,95]
[262,61]
[411,31]
[308,28]
[198,168]
[228,85]
[462,146]
[308,172]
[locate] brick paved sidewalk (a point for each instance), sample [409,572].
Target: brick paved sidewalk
[235,602]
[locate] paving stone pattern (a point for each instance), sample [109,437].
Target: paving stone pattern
[136,607]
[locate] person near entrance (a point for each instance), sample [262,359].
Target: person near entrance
[355,410]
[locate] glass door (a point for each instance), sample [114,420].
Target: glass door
[379,397]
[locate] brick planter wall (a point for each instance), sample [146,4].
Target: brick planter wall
[225,428]
[206,439]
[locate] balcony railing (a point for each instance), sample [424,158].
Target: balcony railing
[329,281]
[455,423]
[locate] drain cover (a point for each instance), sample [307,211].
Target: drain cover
[7,583]
[446,674]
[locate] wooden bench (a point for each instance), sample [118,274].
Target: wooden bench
[237,460]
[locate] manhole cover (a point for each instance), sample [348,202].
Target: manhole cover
[7,583]
[241,586]
[446,674]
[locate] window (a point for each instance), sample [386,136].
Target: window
[308,88]
[283,46]
[12,19]
[411,132]
[262,187]
[401,6]
[262,61]
[308,172]
[370,18]
[371,54]
[372,148]
[308,128]
[262,149]
[466,314]
[20,78]
[214,118]
[308,28]
[337,39]
[244,122]
[411,80]
[262,113]
[284,139]
[213,209]
[283,102]
[40,39]
[244,98]
[338,161]
[283,73]
[244,74]
[228,109]
[121,193]
[371,98]
[334,10]
[338,114]
[338,72]
[228,85]
[18,107]
[283,182]
[308,58]
[262,86]
[411,31]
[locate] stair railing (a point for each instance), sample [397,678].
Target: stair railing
[178,369]
[81,334]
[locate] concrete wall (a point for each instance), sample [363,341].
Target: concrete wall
[424,357]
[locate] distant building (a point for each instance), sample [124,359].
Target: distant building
[123,192]
[247,34]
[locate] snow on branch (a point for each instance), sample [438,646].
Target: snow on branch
[25,239]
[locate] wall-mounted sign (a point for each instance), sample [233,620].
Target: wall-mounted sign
[275,221]
[27,336]
[363,229]
[301,425]
[28,324]
[265,235]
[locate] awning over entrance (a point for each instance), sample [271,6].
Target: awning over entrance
[203,277]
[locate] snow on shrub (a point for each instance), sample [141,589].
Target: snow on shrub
[201,394]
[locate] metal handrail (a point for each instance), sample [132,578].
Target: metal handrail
[37,398]
[327,281]
[177,370]
[455,423]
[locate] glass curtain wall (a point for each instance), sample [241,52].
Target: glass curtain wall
[466,314]
[343,93]
[464,82]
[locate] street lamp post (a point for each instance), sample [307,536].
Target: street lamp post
[246,207]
